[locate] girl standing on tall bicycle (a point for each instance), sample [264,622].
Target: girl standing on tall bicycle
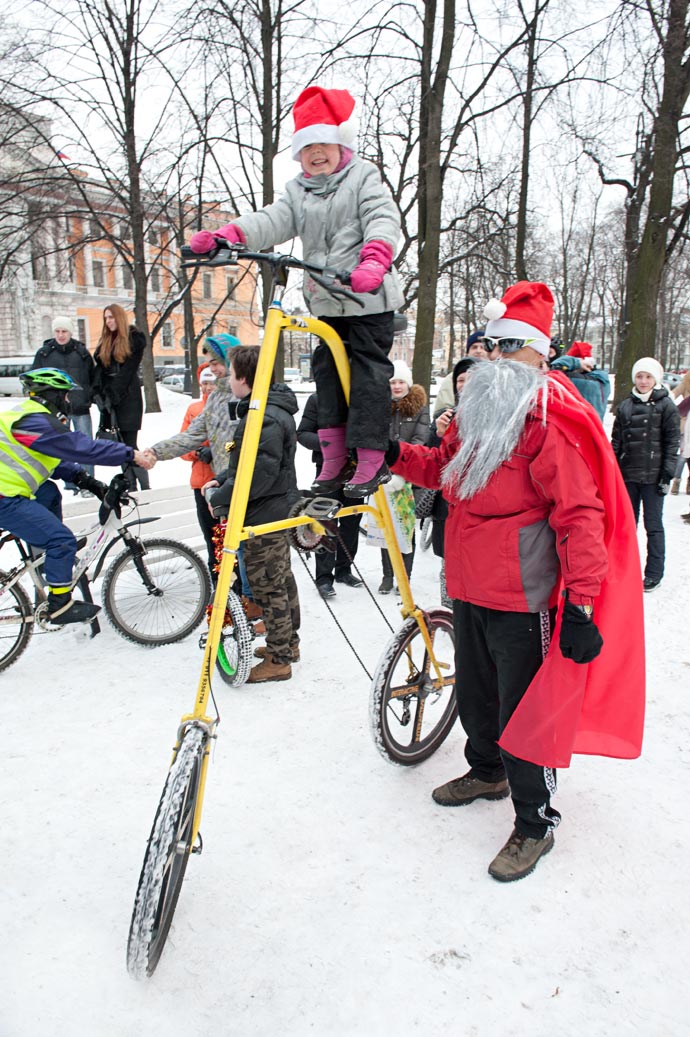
[346,218]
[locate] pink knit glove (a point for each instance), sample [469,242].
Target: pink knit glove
[203,241]
[374,263]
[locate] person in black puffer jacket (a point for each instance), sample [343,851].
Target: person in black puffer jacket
[645,438]
[68,354]
[272,493]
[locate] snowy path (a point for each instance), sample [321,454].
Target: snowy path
[332,896]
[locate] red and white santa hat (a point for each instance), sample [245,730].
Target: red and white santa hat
[525,311]
[323,117]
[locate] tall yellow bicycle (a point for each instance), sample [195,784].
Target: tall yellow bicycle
[412,705]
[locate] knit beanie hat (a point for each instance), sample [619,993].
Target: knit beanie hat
[63,324]
[219,345]
[207,376]
[650,366]
[476,336]
[401,372]
[525,311]
[323,117]
[463,366]
[581,349]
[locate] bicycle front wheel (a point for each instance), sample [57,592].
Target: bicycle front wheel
[160,597]
[411,711]
[235,649]
[16,622]
[167,853]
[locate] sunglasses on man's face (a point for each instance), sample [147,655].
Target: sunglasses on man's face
[506,345]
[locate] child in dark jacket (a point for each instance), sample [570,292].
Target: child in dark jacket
[272,493]
[645,439]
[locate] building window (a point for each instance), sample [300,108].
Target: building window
[167,336]
[155,279]
[95,231]
[207,286]
[124,231]
[98,273]
[232,330]
[153,236]
[230,286]
[82,331]
[127,279]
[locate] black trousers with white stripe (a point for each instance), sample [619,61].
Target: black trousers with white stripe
[496,656]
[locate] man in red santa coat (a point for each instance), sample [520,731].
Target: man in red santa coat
[543,566]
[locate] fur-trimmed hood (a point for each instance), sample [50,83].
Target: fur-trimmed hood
[411,404]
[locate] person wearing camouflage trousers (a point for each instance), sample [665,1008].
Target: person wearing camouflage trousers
[272,493]
[268,567]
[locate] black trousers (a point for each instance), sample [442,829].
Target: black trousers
[339,562]
[368,341]
[207,524]
[652,512]
[496,656]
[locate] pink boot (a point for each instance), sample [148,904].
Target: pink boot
[371,472]
[334,469]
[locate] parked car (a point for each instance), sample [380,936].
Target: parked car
[174,382]
[671,380]
[291,374]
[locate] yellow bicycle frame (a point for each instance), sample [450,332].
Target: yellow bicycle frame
[277,320]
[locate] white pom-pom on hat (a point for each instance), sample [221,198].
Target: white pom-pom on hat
[494,309]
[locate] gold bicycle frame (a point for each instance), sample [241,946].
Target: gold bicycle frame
[276,321]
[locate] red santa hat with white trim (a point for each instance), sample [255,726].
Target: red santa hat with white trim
[525,311]
[323,117]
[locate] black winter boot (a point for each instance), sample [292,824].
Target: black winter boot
[63,609]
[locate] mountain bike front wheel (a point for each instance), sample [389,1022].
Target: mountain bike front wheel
[157,597]
[411,711]
[167,853]
[16,622]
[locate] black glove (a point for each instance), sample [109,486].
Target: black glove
[580,637]
[87,482]
[113,498]
[393,452]
[204,454]
[663,488]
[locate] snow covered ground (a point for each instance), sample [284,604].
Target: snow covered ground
[332,897]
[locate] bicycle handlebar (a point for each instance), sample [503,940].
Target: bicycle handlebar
[326,276]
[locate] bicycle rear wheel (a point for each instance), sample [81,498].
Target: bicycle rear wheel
[234,659]
[411,712]
[167,853]
[16,622]
[176,604]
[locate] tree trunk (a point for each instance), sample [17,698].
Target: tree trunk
[640,330]
[430,182]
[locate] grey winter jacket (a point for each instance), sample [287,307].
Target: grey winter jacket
[334,216]
[216,423]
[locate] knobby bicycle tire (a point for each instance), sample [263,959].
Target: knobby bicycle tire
[183,589]
[16,622]
[234,659]
[165,861]
[409,716]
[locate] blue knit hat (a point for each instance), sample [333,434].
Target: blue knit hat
[476,336]
[218,346]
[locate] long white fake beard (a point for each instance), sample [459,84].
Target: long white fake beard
[491,415]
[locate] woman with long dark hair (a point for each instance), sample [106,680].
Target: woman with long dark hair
[116,386]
